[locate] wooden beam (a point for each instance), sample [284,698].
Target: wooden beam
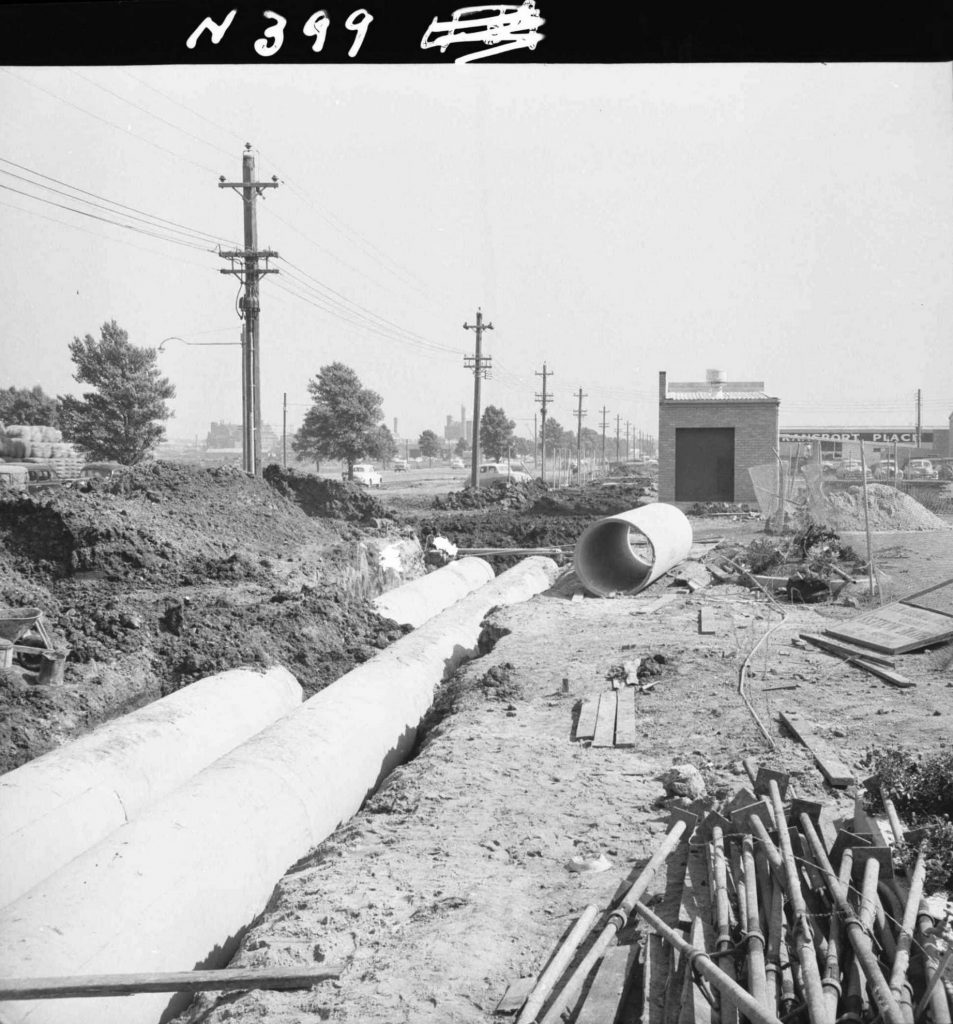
[515,995]
[834,647]
[609,987]
[586,723]
[837,773]
[653,606]
[625,718]
[605,721]
[227,980]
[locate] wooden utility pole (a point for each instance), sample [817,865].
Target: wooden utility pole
[245,266]
[480,364]
[580,412]
[919,422]
[618,423]
[544,400]
[284,431]
[604,425]
[627,440]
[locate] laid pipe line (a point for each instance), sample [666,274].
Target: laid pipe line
[605,561]
[702,962]
[59,805]
[421,599]
[175,888]
[683,825]
[547,980]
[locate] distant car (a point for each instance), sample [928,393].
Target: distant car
[43,478]
[400,465]
[14,475]
[944,468]
[491,472]
[456,463]
[99,469]
[851,469]
[920,469]
[887,469]
[366,474]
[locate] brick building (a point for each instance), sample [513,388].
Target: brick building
[710,434]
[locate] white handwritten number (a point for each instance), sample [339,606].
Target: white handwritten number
[214,30]
[357,22]
[273,38]
[317,26]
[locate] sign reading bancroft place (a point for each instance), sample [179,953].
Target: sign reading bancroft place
[886,436]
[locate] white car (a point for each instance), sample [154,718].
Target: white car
[366,474]
[490,472]
[456,463]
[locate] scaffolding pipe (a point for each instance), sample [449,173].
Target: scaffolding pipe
[607,562]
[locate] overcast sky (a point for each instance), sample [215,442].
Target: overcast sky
[785,223]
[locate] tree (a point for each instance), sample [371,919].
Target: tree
[344,421]
[523,446]
[496,432]
[118,421]
[383,447]
[29,406]
[429,445]
[461,446]
[556,437]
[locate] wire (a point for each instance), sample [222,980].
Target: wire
[107,220]
[112,124]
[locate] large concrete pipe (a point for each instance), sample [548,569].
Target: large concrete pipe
[62,803]
[174,888]
[627,552]
[416,602]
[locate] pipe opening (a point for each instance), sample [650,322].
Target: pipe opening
[614,556]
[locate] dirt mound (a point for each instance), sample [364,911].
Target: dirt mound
[498,529]
[708,508]
[503,493]
[326,499]
[887,509]
[594,501]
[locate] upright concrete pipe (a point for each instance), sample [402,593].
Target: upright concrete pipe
[64,802]
[606,562]
[173,889]
[416,602]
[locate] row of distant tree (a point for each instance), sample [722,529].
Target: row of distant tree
[121,417]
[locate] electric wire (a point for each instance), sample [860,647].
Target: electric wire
[107,220]
[114,202]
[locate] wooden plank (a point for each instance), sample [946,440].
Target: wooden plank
[652,980]
[515,995]
[625,718]
[228,980]
[835,647]
[695,1007]
[888,676]
[586,723]
[653,606]
[837,773]
[610,986]
[605,721]
[895,629]
[706,621]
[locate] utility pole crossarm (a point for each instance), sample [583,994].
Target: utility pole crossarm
[480,364]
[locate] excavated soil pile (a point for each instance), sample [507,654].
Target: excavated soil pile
[594,501]
[888,509]
[504,494]
[165,574]
[707,508]
[335,499]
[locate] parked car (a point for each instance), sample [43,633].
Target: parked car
[851,469]
[491,472]
[887,469]
[400,465]
[42,478]
[366,474]
[920,469]
[456,463]
[99,469]
[15,475]
[944,468]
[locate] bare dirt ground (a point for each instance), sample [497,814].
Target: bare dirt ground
[453,880]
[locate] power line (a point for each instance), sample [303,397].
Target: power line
[111,124]
[107,220]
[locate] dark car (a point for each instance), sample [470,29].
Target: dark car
[99,469]
[42,478]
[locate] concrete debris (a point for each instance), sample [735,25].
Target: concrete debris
[684,780]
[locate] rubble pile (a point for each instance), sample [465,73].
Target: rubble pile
[326,499]
[502,494]
[720,508]
[887,509]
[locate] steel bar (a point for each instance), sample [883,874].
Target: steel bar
[549,977]
[757,978]
[859,939]
[618,918]
[774,915]
[701,962]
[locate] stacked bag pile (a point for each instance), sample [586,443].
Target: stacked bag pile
[39,444]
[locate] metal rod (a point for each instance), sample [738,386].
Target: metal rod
[701,962]
[901,960]
[549,977]
[757,976]
[723,943]
[935,995]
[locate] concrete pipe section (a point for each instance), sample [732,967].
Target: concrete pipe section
[64,802]
[623,554]
[416,602]
[174,889]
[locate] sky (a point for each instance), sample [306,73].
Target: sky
[785,223]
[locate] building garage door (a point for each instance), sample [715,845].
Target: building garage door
[705,464]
